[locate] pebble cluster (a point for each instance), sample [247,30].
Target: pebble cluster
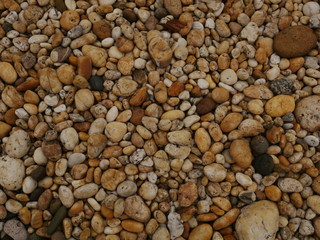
[159,119]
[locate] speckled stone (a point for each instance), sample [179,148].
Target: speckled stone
[282,86]
[259,145]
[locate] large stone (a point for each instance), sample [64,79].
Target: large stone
[294,41]
[259,220]
[308,113]
[18,144]
[12,172]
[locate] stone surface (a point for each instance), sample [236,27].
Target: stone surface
[160,51]
[259,220]
[294,41]
[280,105]
[12,172]
[263,164]
[307,113]
[136,209]
[241,153]
[15,229]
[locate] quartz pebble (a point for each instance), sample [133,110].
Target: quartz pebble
[12,172]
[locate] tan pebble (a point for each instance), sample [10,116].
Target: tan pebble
[98,223]
[196,37]
[98,55]
[280,105]
[201,232]
[139,97]
[317,226]
[173,115]
[125,64]
[36,218]
[174,7]
[96,143]
[8,74]
[160,92]
[136,209]
[102,29]
[231,122]
[132,226]
[111,178]
[11,97]
[296,64]
[202,139]
[162,233]
[258,91]
[4,129]
[187,194]
[69,19]
[255,106]
[84,99]
[115,131]
[241,153]
[49,80]
[265,43]
[220,95]
[125,87]
[25,215]
[250,127]
[229,218]
[160,52]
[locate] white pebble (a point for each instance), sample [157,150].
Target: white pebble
[228,77]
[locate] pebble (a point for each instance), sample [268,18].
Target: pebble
[29,185]
[228,77]
[86,191]
[159,45]
[281,86]
[286,42]
[66,196]
[215,172]
[187,194]
[258,91]
[226,220]
[84,99]
[241,153]
[127,188]
[280,105]
[312,140]
[69,138]
[307,113]
[132,204]
[8,73]
[111,178]
[263,164]
[314,203]
[15,229]
[258,220]
[289,185]
[311,8]
[18,144]
[259,144]
[201,232]
[12,173]
[96,83]
[205,106]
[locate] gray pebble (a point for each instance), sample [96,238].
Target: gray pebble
[127,188]
[75,32]
[15,229]
[28,60]
[312,140]
[289,185]
[306,228]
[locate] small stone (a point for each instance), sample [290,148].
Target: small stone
[308,113]
[294,41]
[250,32]
[306,227]
[174,7]
[15,229]
[282,86]
[60,54]
[129,15]
[136,209]
[258,91]
[314,203]
[66,196]
[160,52]
[311,8]
[205,106]
[98,55]
[39,173]
[259,144]
[75,32]
[33,13]
[289,185]
[52,150]
[69,138]
[241,153]
[312,140]
[250,127]
[263,164]
[196,37]
[11,97]
[96,83]
[69,19]
[28,60]
[84,99]
[228,77]
[8,73]
[111,178]
[12,172]
[86,191]
[260,220]
[280,105]
[4,129]
[201,232]
[127,188]
[215,172]
[125,87]
[187,194]
[115,131]
[148,191]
